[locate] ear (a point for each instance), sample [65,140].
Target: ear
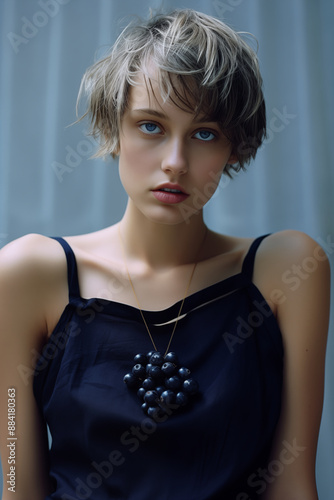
[232,159]
[116,151]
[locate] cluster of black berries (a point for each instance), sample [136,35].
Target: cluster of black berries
[160,382]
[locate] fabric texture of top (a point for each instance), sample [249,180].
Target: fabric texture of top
[105,448]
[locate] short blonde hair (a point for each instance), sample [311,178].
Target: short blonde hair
[217,72]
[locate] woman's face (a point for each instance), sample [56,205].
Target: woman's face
[170,162]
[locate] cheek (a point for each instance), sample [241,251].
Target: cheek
[209,174]
[212,169]
[135,157]
[211,183]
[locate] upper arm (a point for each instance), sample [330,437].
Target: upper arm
[23,330]
[301,272]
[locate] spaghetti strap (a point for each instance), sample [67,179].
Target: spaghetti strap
[248,263]
[72,270]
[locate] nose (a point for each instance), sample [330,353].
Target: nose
[175,158]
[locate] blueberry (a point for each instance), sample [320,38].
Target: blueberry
[140,359]
[190,386]
[160,389]
[181,399]
[173,382]
[148,384]
[144,407]
[131,380]
[154,372]
[141,392]
[151,398]
[172,358]
[149,354]
[139,371]
[184,373]
[168,369]
[167,397]
[155,412]
[148,366]
[157,359]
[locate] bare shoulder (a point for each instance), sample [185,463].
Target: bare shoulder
[30,260]
[281,253]
[292,245]
[286,260]
[29,250]
[32,268]
[291,257]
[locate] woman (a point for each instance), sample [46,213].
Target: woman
[168,361]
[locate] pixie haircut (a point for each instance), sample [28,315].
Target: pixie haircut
[203,67]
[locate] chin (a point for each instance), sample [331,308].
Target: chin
[171,215]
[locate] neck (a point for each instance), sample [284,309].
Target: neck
[162,245]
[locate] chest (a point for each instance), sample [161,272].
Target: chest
[149,289]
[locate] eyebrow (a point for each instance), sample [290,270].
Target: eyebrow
[159,114]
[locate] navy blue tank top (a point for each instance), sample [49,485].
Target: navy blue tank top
[105,448]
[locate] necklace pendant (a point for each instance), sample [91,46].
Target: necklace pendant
[162,385]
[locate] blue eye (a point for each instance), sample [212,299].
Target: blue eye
[150,128]
[205,135]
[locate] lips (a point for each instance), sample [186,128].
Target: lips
[170,193]
[168,190]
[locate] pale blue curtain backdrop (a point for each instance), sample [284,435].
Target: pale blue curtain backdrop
[48,185]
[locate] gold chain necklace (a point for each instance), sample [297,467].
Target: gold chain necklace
[160,382]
